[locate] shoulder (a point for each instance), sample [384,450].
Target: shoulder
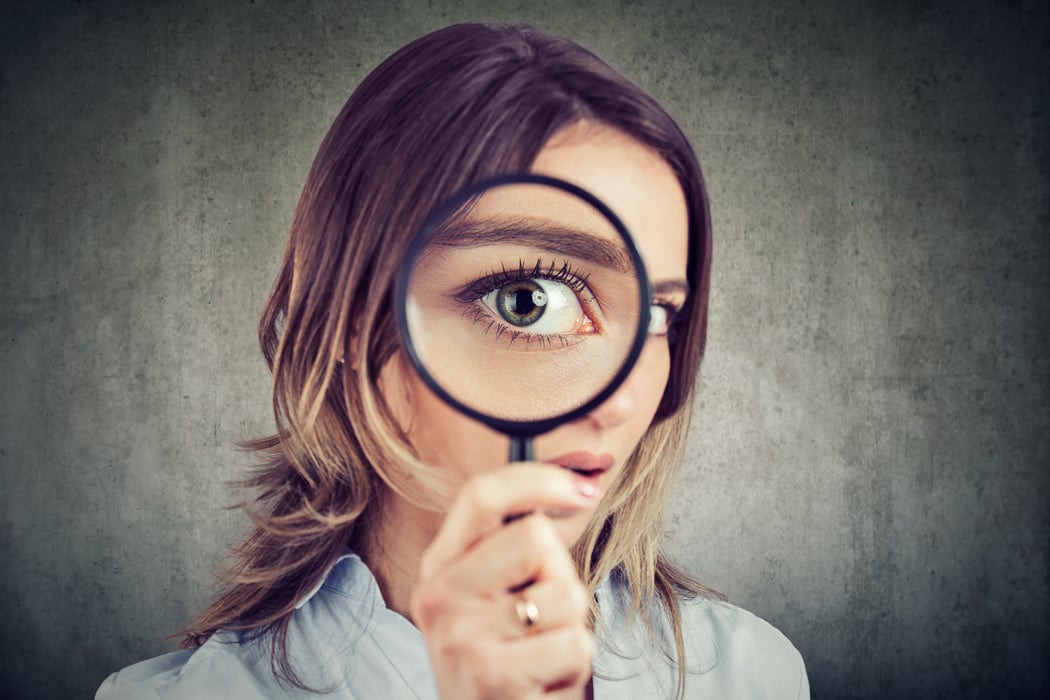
[729,652]
[222,668]
[141,680]
[742,649]
[341,642]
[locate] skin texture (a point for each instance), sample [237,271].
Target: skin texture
[451,572]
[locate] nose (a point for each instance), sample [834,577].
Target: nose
[616,409]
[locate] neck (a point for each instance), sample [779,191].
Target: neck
[393,546]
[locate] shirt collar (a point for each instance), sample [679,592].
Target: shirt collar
[348,574]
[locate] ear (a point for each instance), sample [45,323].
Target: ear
[353,357]
[395,385]
[352,352]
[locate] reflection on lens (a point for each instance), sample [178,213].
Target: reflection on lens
[524,305]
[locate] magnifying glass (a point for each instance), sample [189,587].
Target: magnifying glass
[523,303]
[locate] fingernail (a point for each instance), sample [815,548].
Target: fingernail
[586,486]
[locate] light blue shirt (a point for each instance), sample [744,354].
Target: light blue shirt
[344,640]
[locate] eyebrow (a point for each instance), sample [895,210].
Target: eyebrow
[556,238]
[671,288]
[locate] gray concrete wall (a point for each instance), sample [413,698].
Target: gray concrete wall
[869,469]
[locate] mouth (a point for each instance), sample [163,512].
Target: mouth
[586,464]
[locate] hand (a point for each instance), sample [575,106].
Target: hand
[482,562]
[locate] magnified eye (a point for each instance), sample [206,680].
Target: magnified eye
[539,306]
[522,303]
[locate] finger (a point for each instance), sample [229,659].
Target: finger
[485,501]
[555,660]
[541,608]
[471,597]
[571,692]
[525,551]
[472,620]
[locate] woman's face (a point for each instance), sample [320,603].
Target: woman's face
[642,190]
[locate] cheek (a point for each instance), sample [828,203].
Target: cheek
[445,438]
[654,368]
[440,435]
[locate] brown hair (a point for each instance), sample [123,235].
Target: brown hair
[449,109]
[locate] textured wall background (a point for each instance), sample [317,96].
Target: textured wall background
[869,469]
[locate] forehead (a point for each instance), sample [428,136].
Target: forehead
[634,181]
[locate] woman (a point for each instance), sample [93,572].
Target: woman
[388,556]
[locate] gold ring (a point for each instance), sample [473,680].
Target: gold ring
[527,611]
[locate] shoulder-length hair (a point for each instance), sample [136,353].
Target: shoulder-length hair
[451,108]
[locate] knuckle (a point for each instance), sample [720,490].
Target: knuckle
[547,534]
[454,645]
[534,546]
[490,675]
[587,644]
[428,604]
[478,493]
[538,531]
[540,548]
[581,645]
[576,647]
[576,599]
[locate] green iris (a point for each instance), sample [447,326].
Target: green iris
[521,303]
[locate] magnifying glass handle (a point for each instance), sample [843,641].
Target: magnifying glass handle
[520,449]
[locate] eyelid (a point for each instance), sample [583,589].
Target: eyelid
[565,273]
[675,305]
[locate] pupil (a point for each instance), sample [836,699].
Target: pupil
[521,303]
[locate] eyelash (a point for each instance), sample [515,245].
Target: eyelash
[566,274]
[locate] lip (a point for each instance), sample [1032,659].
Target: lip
[584,462]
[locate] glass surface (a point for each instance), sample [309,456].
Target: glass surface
[524,303]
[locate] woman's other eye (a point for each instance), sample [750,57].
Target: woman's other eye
[661,317]
[539,306]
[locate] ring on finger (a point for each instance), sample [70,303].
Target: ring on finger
[527,611]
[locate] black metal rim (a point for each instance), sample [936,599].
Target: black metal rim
[419,241]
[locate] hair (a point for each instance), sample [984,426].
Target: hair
[451,108]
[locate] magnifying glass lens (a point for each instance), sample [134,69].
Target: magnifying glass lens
[524,303]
